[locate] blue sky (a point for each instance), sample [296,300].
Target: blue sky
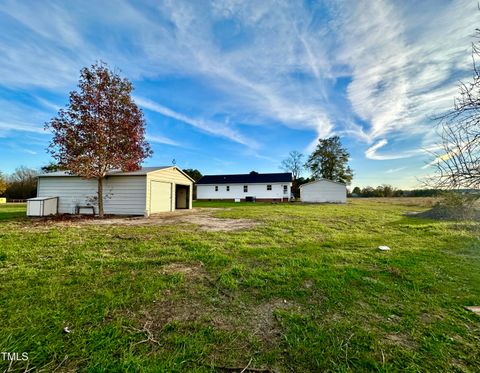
[232,86]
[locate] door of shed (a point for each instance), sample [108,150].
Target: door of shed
[160,196]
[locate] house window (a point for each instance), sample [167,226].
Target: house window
[216,188]
[269,187]
[228,188]
[245,189]
[285,189]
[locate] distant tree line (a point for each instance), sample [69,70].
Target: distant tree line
[195,175]
[390,191]
[21,184]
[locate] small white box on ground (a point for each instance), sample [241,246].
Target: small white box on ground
[42,206]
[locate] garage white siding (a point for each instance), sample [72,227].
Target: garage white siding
[323,191]
[124,195]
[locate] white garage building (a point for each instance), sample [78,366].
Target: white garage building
[323,191]
[147,191]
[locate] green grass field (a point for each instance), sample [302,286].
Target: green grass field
[12,211]
[305,290]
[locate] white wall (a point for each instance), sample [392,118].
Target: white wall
[323,191]
[50,206]
[236,191]
[124,195]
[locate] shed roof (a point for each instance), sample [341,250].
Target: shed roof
[140,172]
[322,179]
[251,178]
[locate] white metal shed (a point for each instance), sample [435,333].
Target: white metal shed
[147,191]
[323,191]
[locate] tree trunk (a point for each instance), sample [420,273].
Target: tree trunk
[100,197]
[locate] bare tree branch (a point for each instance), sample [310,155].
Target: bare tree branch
[457,163]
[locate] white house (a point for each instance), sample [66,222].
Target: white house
[146,191]
[323,190]
[246,187]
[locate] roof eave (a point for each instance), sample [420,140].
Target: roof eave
[323,179]
[246,182]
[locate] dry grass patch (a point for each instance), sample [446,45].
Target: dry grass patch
[251,327]
[187,269]
[401,339]
[255,322]
[400,201]
[203,218]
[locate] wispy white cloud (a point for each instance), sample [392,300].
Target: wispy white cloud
[404,65]
[395,170]
[48,104]
[161,140]
[374,72]
[372,152]
[213,128]
[259,71]
[29,151]
[21,127]
[444,157]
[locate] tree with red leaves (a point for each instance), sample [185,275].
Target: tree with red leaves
[101,129]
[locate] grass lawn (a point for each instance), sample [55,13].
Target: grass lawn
[304,290]
[11,211]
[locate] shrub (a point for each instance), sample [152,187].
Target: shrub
[459,206]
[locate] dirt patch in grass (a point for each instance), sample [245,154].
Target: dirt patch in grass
[201,300]
[189,270]
[202,217]
[440,212]
[210,223]
[61,220]
[255,320]
[222,312]
[186,304]
[400,339]
[431,318]
[250,329]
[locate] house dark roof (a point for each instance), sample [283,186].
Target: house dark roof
[252,178]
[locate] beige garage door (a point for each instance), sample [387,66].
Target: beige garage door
[160,196]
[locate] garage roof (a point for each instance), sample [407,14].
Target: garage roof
[251,178]
[322,179]
[140,172]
